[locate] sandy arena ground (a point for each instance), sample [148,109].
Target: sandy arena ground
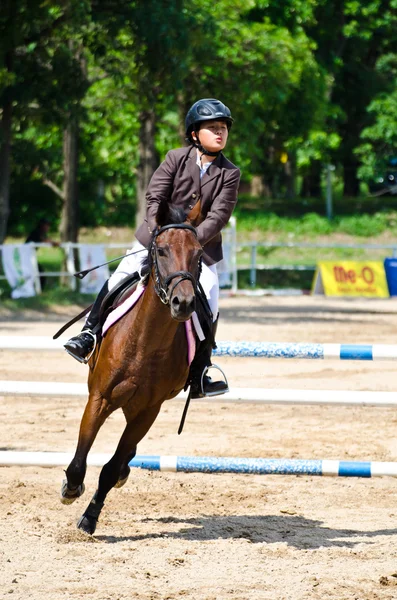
[212,537]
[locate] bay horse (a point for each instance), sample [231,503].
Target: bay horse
[142,360]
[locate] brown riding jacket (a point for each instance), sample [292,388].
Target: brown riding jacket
[178,181]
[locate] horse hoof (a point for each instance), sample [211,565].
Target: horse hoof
[87,524]
[68,496]
[123,480]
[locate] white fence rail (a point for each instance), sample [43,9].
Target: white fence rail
[254,247]
[228,268]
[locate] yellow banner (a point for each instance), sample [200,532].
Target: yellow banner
[351,278]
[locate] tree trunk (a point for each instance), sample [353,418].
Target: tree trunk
[148,161]
[257,187]
[351,184]
[5,166]
[290,173]
[311,185]
[183,108]
[70,211]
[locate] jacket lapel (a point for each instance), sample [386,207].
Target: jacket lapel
[193,168]
[213,171]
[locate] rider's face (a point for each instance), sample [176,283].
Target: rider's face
[213,135]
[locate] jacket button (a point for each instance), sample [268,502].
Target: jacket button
[194,195]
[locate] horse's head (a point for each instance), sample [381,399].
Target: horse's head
[175,256]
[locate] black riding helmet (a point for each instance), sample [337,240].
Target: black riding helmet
[206,109]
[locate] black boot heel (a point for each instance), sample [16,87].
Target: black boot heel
[205,387]
[82,346]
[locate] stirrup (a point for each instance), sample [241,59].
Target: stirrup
[218,393]
[87,358]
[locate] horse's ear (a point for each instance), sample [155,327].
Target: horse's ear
[163,213]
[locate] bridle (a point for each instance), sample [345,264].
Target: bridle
[161,285]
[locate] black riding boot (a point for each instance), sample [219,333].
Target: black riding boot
[200,384]
[81,345]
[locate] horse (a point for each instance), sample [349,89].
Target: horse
[141,361]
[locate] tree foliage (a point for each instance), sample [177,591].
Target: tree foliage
[308,82]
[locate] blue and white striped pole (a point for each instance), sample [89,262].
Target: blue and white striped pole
[308,351]
[264,466]
[211,464]
[242,349]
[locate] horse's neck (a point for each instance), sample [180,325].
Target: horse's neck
[157,319]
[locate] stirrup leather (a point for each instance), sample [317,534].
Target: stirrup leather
[87,358]
[218,393]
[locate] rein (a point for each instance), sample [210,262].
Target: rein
[161,285]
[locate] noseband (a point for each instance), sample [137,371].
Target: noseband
[161,285]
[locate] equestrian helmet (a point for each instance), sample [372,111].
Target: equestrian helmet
[206,109]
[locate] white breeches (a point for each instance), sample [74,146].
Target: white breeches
[130,264]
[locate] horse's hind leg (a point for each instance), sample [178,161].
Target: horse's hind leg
[95,414]
[114,470]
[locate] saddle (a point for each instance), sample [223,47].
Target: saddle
[123,291]
[126,290]
[117,296]
[114,298]
[121,300]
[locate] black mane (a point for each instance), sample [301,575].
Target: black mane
[167,215]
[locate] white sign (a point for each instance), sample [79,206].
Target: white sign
[227,268]
[90,256]
[21,270]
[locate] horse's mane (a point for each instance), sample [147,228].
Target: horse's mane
[166,215]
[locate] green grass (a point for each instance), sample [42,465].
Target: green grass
[311,225]
[55,296]
[308,256]
[298,207]
[255,224]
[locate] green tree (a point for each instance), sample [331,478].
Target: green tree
[266,72]
[160,49]
[37,70]
[351,38]
[379,140]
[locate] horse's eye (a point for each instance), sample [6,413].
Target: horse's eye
[161,251]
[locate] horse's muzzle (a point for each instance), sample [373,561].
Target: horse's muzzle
[182,306]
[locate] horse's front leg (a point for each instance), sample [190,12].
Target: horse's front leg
[95,414]
[117,468]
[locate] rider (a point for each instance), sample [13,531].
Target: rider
[198,173]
